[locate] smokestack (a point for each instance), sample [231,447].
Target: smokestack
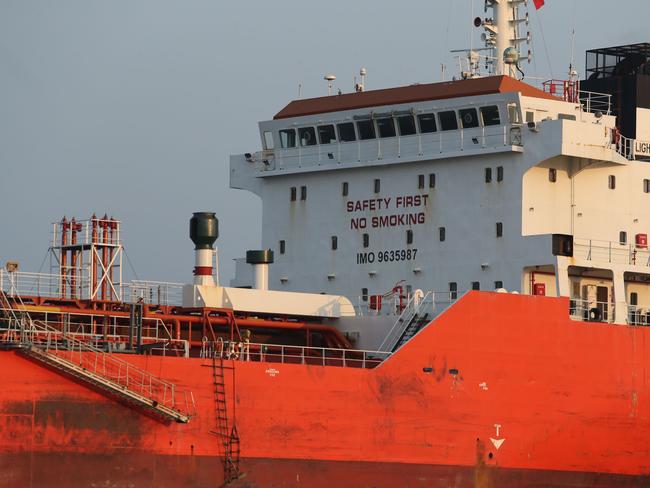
[260,261]
[204,231]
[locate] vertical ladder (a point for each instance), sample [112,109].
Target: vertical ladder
[229,435]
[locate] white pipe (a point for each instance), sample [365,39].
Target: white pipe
[502,24]
[261,276]
[203,262]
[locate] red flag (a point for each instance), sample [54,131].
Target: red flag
[538,4]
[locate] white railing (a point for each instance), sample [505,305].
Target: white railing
[416,305]
[84,326]
[594,102]
[155,292]
[591,310]
[48,285]
[19,330]
[610,252]
[287,354]
[638,315]
[413,146]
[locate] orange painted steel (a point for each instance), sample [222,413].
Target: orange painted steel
[498,385]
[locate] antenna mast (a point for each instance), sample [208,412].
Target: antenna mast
[502,35]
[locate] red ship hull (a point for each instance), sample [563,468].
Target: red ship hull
[570,399]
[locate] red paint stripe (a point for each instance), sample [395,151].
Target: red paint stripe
[202,270]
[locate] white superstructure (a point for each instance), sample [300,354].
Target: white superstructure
[483,183]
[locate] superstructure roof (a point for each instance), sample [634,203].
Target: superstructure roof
[410,94]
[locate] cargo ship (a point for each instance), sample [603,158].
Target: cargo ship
[453,290]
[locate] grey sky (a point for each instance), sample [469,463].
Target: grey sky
[133,107]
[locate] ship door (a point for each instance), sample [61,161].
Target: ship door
[602,301]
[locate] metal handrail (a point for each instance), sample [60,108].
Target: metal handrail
[591,310]
[289,354]
[22,331]
[413,307]
[611,252]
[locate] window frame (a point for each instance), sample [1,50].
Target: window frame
[391,121]
[334,243]
[611,182]
[442,234]
[468,111]
[303,193]
[310,129]
[282,141]
[499,229]
[399,126]
[409,237]
[441,123]
[370,126]
[318,134]
[345,189]
[482,115]
[354,132]
[432,116]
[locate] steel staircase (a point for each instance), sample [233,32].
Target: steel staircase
[417,322]
[228,435]
[90,365]
[411,320]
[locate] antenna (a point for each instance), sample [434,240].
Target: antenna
[330,79]
[359,87]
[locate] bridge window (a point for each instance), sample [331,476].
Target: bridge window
[293,193]
[442,234]
[377,187]
[283,246]
[476,285]
[268,140]
[303,193]
[499,173]
[345,187]
[406,125]
[490,115]
[366,240]
[346,132]
[335,243]
[409,236]
[386,127]
[634,298]
[646,186]
[427,123]
[432,180]
[420,181]
[326,134]
[448,120]
[499,229]
[469,118]
[622,237]
[307,136]
[498,284]
[366,129]
[288,138]
[552,175]
[488,175]
[453,290]
[611,182]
